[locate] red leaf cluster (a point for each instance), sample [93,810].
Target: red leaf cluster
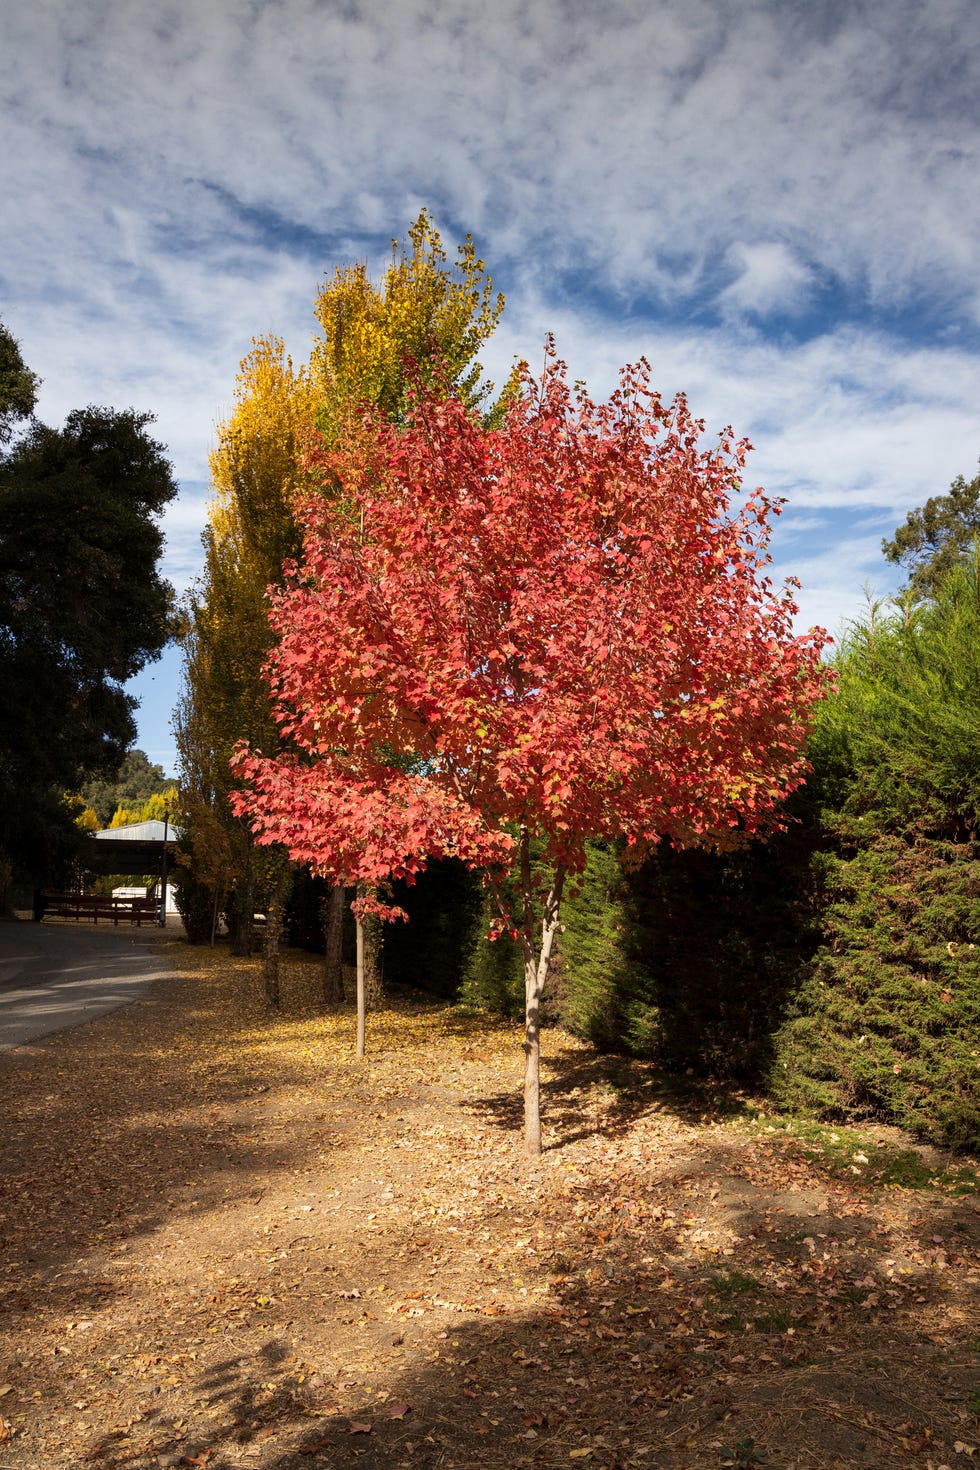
[561,624]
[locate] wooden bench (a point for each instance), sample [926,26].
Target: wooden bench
[96,906]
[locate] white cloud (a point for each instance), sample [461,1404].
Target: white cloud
[631,139]
[770,279]
[641,177]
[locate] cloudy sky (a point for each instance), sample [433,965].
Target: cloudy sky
[775,201]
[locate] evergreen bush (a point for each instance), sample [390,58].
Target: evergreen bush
[691,957]
[886,1023]
[430,952]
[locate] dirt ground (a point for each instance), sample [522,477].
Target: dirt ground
[226,1243]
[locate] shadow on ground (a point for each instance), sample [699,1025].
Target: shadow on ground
[641,1353]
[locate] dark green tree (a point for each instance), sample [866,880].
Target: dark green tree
[82,604]
[937,536]
[18,386]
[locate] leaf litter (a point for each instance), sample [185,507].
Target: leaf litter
[226,1243]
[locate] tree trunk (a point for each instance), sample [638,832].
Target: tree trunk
[368,967]
[241,917]
[332,913]
[270,953]
[273,934]
[536,968]
[361,988]
[532,1062]
[373,935]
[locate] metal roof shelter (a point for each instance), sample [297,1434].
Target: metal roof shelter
[144,847]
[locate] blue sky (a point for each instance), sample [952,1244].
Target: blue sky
[775,202]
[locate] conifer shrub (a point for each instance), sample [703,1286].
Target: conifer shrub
[886,1022]
[886,1025]
[430,952]
[691,957]
[603,958]
[492,969]
[303,922]
[493,972]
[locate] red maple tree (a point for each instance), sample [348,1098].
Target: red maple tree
[558,629]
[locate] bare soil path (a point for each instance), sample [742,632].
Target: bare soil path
[224,1243]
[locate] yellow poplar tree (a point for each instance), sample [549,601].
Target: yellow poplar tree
[425,316]
[251,530]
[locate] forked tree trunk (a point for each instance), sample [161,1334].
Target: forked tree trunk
[332,914]
[537,963]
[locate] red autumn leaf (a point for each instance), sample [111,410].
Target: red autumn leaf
[358,1428]
[398,1411]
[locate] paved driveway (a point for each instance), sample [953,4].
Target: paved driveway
[53,976]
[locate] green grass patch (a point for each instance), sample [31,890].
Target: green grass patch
[847,1153]
[729,1285]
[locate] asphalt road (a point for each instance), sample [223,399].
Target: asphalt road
[53,976]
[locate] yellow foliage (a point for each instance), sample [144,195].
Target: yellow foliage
[425,317]
[254,470]
[157,807]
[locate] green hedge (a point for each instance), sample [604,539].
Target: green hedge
[691,958]
[886,1023]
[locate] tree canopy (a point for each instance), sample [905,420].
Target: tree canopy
[18,386]
[424,311]
[937,536]
[906,712]
[82,604]
[556,629]
[885,1022]
[137,780]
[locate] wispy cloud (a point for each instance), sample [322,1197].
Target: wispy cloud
[775,202]
[769,279]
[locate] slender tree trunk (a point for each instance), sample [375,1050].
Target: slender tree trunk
[536,968]
[273,935]
[361,988]
[373,934]
[332,913]
[368,968]
[532,1062]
